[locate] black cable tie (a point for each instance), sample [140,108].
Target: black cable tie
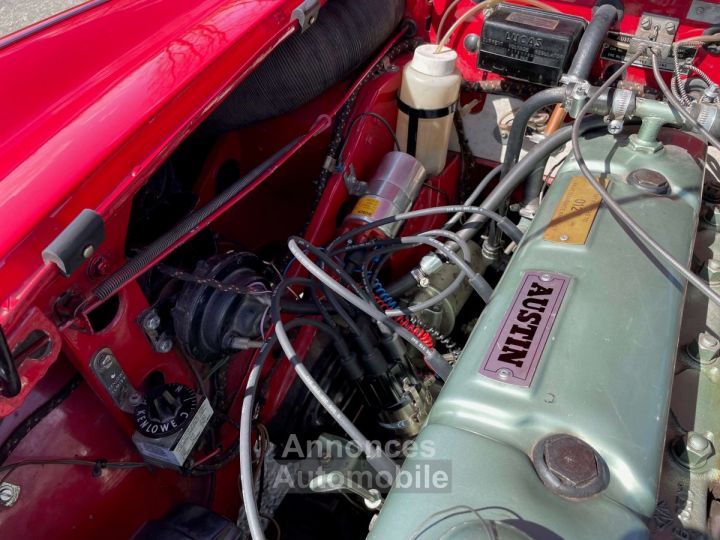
[100,464]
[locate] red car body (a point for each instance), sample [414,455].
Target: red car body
[93,102]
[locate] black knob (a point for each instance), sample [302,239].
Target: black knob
[167,409]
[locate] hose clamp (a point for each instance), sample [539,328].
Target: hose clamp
[707,116]
[623,104]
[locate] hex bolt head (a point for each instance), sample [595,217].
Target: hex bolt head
[472,43]
[713,270]
[711,216]
[692,450]
[571,460]
[704,349]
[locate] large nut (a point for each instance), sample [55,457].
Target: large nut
[712,271]
[704,349]
[693,450]
[711,216]
[571,460]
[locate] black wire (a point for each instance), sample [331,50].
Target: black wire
[98,464]
[330,262]
[507,226]
[354,121]
[360,336]
[26,426]
[340,342]
[370,277]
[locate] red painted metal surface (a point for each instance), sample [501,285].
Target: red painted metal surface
[143,75]
[98,101]
[60,501]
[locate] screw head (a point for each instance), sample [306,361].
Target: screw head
[564,238]
[88,251]
[504,373]
[670,27]
[646,23]
[9,494]
[152,322]
[615,127]
[106,361]
[6,494]
[164,345]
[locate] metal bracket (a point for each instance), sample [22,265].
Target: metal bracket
[152,326]
[306,14]
[111,375]
[656,31]
[355,187]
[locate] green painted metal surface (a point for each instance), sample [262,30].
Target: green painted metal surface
[604,376]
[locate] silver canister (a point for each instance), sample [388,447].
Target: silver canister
[392,190]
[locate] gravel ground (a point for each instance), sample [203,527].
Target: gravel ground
[16,14]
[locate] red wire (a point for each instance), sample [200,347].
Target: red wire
[416,330]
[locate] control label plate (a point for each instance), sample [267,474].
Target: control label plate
[575,213]
[615,50]
[519,343]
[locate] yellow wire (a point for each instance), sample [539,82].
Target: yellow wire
[445,15]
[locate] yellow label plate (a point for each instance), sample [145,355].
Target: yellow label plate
[575,213]
[366,207]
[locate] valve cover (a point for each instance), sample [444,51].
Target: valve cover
[553,420]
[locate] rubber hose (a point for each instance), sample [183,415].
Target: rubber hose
[593,37]
[519,173]
[346,34]
[550,96]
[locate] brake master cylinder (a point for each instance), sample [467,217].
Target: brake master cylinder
[428,97]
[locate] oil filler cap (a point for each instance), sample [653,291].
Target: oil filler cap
[649,180]
[570,467]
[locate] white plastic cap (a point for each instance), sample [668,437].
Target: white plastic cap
[427,61]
